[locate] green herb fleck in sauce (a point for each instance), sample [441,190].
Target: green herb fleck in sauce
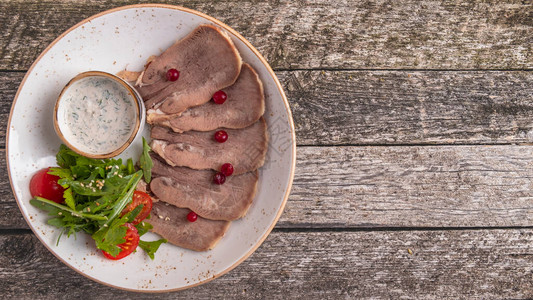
[102,110]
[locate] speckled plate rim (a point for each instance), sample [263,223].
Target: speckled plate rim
[270,71]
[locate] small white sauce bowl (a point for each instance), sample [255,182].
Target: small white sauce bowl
[75,93]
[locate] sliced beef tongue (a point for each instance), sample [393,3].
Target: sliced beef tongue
[194,189]
[245,148]
[171,223]
[244,106]
[207,61]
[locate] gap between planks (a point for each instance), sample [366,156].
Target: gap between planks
[358,70]
[18,231]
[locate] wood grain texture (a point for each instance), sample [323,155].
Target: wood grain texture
[438,186]
[468,264]
[10,82]
[392,107]
[390,163]
[456,34]
[382,187]
[10,215]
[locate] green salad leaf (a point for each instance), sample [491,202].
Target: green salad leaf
[108,238]
[146,162]
[143,227]
[151,247]
[96,192]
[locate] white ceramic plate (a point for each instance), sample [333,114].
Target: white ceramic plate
[112,41]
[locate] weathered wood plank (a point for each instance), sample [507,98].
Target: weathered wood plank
[457,34]
[10,82]
[385,107]
[386,265]
[10,214]
[393,107]
[412,186]
[373,187]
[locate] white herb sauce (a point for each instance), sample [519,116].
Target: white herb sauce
[97,115]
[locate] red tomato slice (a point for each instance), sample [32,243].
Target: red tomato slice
[131,243]
[138,199]
[45,185]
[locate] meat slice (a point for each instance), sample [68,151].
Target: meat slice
[207,61]
[171,223]
[245,148]
[194,189]
[244,106]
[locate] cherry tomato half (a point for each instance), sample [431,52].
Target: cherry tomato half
[45,185]
[131,243]
[138,199]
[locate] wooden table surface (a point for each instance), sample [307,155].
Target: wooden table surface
[414,125]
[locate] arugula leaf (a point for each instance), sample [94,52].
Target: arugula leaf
[69,198]
[146,162]
[98,204]
[96,193]
[81,172]
[130,216]
[57,222]
[125,197]
[109,237]
[52,210]
[53,207]
[143,227]
[151,247]
[65,157]
[98,187]
[112,171]
[130,168]
[61,173]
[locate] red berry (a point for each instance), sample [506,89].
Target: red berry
[220,97]
[227,169]
[173,75]
[221,136]
[219,178]
[192,216]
